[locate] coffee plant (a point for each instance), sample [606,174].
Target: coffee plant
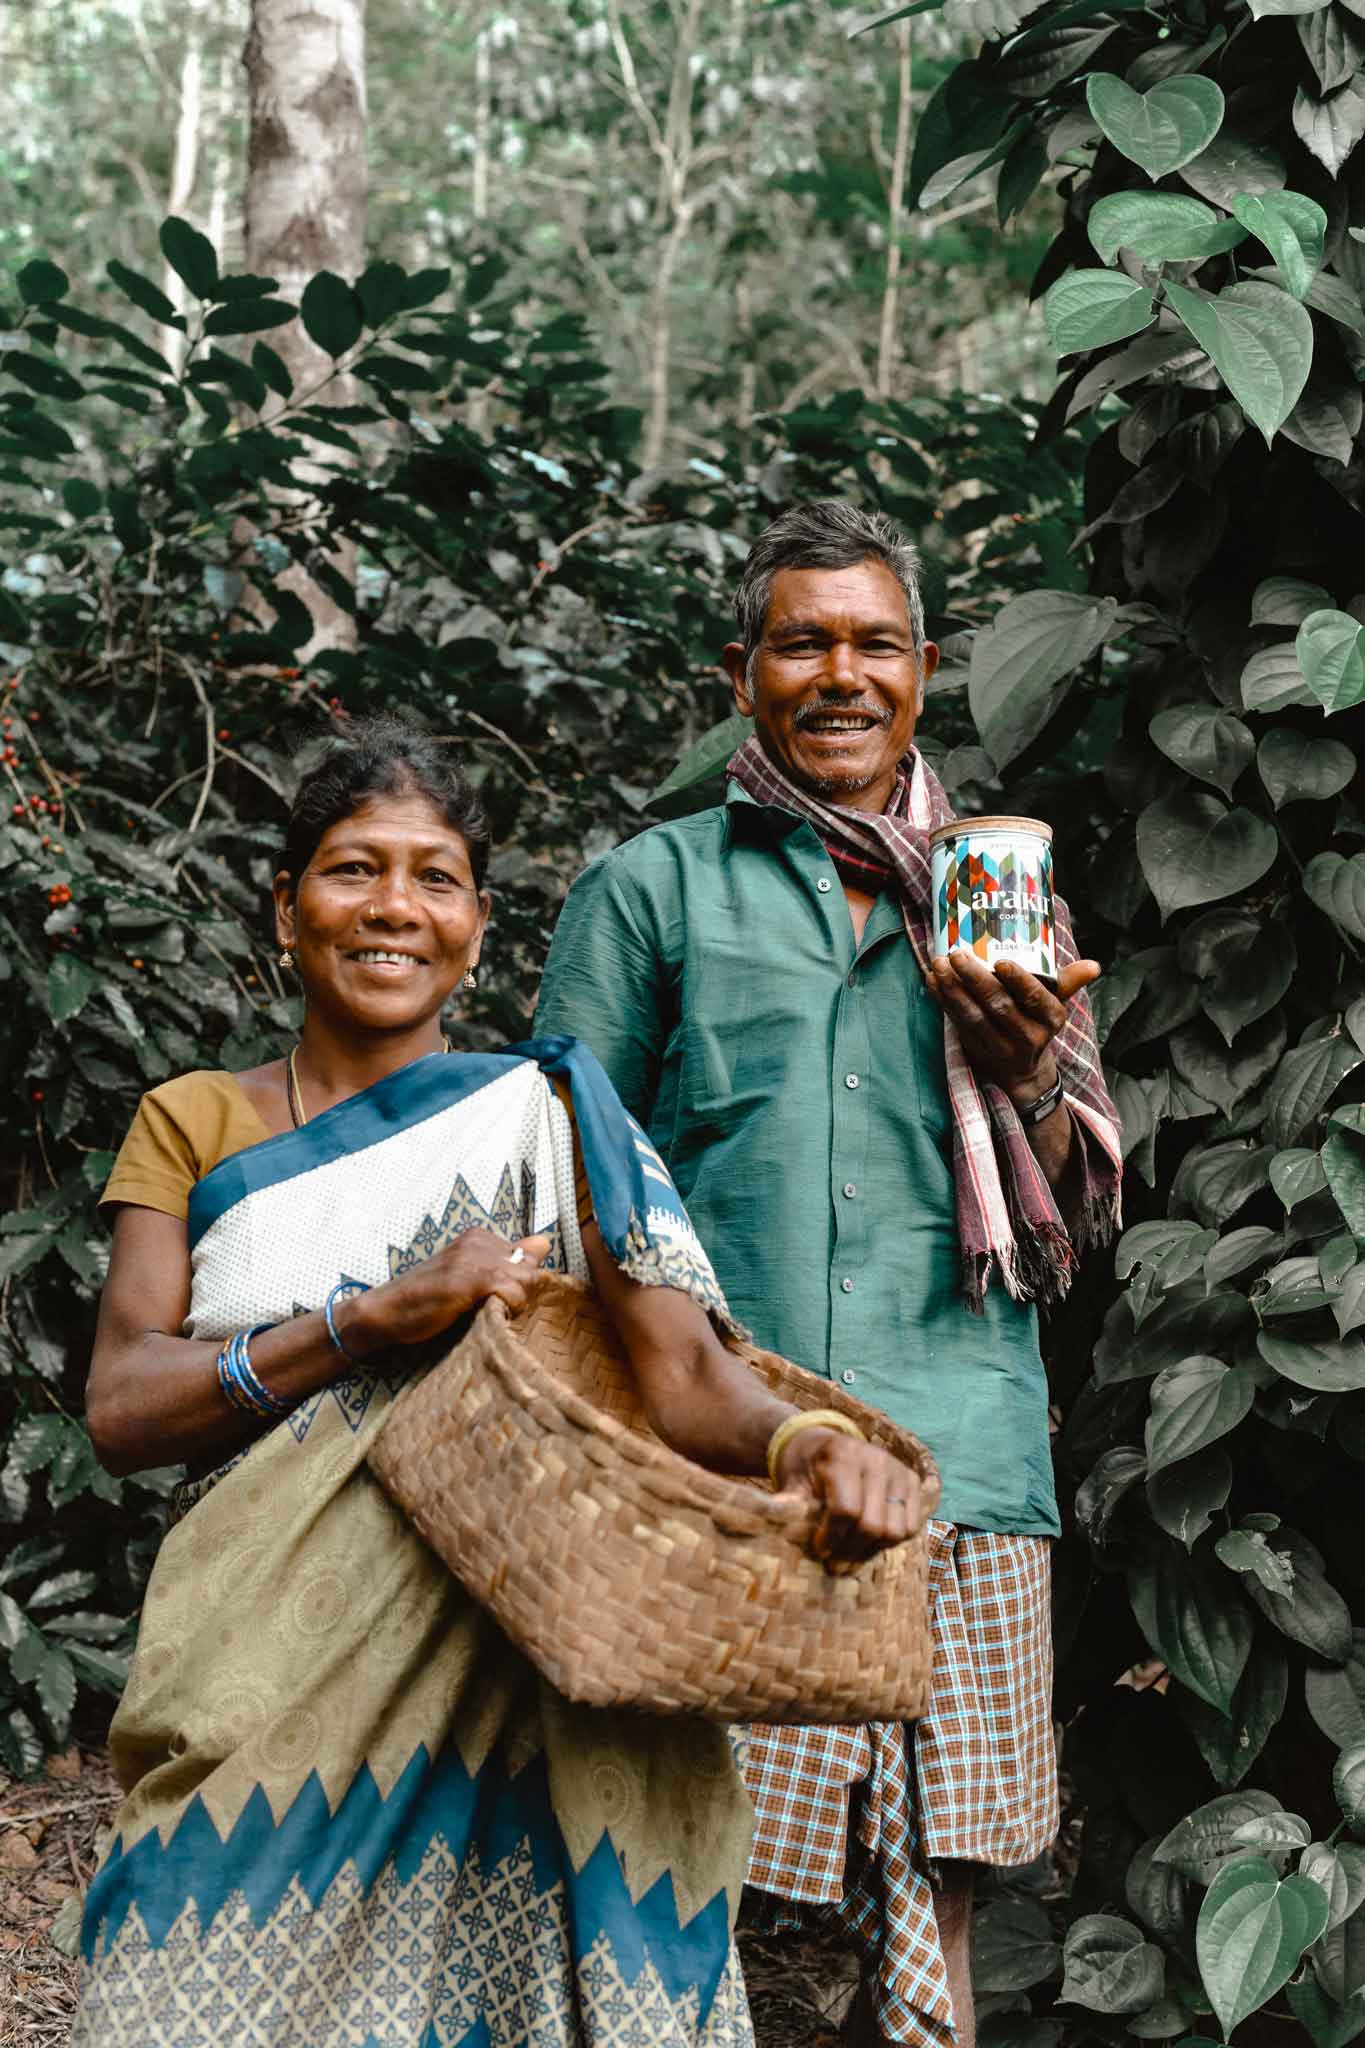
[528,592]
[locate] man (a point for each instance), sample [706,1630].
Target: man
[872,1146]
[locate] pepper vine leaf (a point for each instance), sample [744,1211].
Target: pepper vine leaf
[1160,129]
[1259,338]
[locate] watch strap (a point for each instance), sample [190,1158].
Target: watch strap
[1034,1112]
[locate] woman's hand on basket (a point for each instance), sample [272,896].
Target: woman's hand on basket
[871,1501]
[426,1300]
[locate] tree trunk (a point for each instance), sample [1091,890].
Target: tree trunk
[184,162]
[305,200]
[889,338]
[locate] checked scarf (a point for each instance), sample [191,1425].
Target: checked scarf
[1006,1214]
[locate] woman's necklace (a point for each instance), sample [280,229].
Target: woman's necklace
[292,1090]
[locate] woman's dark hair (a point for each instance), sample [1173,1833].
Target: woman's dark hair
[383,756]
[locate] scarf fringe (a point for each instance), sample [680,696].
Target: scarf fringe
[1039,1266]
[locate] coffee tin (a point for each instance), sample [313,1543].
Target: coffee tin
[992,886]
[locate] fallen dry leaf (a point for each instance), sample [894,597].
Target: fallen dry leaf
[17,1852]
[65,1768]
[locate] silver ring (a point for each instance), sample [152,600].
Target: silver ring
[895,1500]
[515,1258]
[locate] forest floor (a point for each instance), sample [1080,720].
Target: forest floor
[50,1829]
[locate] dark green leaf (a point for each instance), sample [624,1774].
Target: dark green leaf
[1331,652]
[1273,681]
[1106,1486]
[1211,745]
[706,758]
[1330,2025]
[1233,164]
[248,316]
[1158,227]
[1247,1551]
[1343,1162]
[1194,1620]
[40,283]
[1333,45]
[1013,1947]
[1286,601]
[1260,340]
[1184,1498]
[1019,661]
[1324,1367]
[70,982]
[1160,129]
[190,255]
[1326,420]
[1110,1968]
[1252,1929]
[1297,768]
[1348,1783]
[1089,308]
[1194,850]
[1312,1612]
[272,369]
[1337,886]
[332,313]
[49,380]
[1292,227]
[1331,124]
[965,116]
[1305,1081]
[1230,1744]
[1194,1404]
[1201,1843]
[1156,1892]
[1336,1697]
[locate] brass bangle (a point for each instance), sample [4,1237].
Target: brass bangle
[809,1418]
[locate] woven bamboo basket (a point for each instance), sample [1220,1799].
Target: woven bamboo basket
[628,1575]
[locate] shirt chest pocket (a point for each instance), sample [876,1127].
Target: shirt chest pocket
[744,1018]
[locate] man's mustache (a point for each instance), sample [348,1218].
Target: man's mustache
[824,705]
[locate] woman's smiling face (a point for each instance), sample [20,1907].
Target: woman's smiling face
[386,917]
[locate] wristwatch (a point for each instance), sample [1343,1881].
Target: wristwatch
[1034,1112]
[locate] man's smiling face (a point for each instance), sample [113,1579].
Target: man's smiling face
[835,686]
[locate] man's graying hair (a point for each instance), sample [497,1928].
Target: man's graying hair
[828,535]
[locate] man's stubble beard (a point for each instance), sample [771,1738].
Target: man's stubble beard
[831,788]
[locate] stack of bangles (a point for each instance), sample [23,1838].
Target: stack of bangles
[244,1390]
[241,1387]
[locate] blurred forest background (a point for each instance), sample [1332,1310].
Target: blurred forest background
[386,354]
[716,188]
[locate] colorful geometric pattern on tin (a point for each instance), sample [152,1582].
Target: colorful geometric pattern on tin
[993,894]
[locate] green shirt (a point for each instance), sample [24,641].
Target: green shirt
[794,1081]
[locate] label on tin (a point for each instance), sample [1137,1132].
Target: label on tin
[993,894]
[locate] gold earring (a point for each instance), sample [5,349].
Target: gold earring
[286,958]
[471,979]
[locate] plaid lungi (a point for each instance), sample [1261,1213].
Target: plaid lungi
[976,1780]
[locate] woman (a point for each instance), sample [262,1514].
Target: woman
[354,1814]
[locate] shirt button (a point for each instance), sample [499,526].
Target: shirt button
[850,1188]
[850,1080]
[847,1285]
[848,1376]
[824,885]
[853,981]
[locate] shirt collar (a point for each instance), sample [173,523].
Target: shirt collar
[749,819]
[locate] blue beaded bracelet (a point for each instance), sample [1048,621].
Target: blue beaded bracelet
[342,1292]
[240,1385]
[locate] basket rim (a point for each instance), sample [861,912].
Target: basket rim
[792,1515]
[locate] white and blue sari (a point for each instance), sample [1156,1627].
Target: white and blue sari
[355,1816]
